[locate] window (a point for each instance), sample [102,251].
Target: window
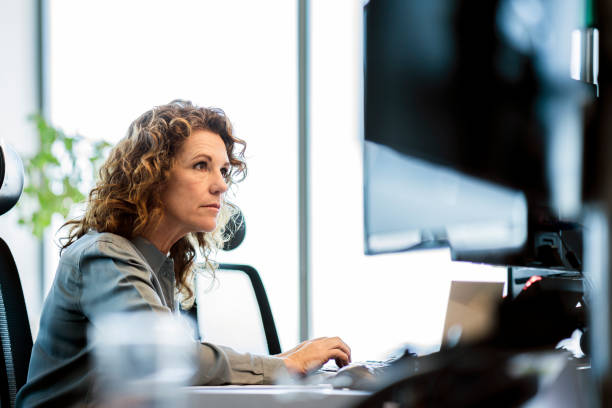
[109,61]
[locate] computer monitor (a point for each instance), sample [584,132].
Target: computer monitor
[473,130]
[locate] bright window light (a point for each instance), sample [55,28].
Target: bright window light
[109,61]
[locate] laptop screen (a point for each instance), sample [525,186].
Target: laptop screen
[470,312]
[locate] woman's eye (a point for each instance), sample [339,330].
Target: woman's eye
[225,172]
[200,165]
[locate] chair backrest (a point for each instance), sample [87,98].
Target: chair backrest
[15,334]
[234,310]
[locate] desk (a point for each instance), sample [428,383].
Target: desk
[264,396]
[563,384]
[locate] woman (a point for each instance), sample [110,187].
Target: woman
[160,197]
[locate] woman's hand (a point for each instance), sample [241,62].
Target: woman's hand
[310,355]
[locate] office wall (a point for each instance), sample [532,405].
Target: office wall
[18,99]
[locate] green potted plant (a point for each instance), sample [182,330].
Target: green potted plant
[55,175]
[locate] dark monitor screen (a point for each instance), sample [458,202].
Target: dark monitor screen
[472,125]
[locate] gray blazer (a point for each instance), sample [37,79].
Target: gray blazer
[103,273]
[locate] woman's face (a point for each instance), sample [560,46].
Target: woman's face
[196,185]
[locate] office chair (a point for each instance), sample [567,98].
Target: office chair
[15,335]
[247,326]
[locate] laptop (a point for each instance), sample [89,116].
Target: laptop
[470,313]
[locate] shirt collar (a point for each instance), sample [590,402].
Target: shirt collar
[154,257]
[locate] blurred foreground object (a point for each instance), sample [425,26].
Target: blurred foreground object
[142,359]
[473,129]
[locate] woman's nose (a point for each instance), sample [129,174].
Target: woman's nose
[219,185]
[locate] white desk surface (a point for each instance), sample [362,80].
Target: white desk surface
[256,396]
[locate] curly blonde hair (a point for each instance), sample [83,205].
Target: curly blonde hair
[127,198]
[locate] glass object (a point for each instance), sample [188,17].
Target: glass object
[142,359]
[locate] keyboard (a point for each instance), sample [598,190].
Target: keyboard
[363,375]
